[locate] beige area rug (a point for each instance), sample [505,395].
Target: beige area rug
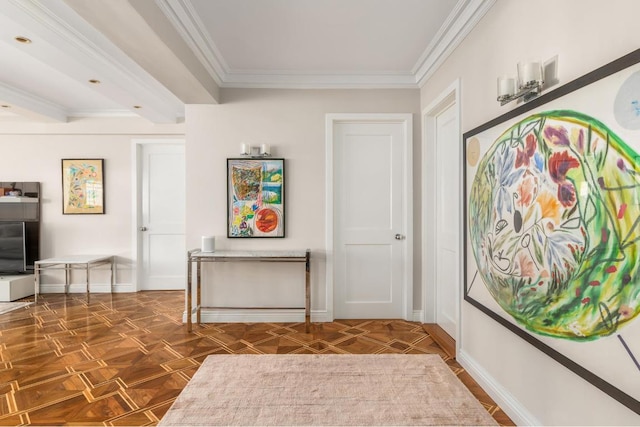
[331,389]
[6,307]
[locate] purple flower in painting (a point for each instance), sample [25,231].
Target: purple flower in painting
[559,165]
[523,158]
[621,165]
[580,141]
[566,194]
[557,135]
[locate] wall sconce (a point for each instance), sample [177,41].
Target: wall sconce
[530,80]
[263,150]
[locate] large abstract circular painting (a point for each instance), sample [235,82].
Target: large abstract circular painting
[554,224]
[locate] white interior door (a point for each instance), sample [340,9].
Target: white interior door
[162,222]
[447,219]
[370,213]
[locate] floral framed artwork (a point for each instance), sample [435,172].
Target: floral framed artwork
[83,186]
[552,225]
[255,197]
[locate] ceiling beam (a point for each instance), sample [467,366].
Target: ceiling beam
[65,41]
[145,35]
[30,106]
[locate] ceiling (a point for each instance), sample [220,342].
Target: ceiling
[151,57]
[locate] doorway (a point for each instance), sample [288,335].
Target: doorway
[442,200]
[369,215]
[159,235]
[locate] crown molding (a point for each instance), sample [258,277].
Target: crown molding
[458,25]
[275,80]
[460,22]
[184,18]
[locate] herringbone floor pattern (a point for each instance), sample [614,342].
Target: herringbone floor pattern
[122,359]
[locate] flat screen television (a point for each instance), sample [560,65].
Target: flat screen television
[13,257]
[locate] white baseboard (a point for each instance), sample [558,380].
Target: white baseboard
[321,316]
[210,315]
[509,404]
[78,288]
[124,288]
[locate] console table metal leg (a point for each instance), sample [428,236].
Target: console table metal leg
[307,292]
[189,276]
[67,280]
[36,271]
[114,268]
[88,281]
[198,291]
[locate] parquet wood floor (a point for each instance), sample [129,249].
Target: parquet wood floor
[122,359]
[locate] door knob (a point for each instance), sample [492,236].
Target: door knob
[143,228]
[399,237]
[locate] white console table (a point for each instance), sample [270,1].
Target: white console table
[74,262]
[198,257]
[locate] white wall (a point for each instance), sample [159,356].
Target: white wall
[585,34]
[33,152]
[293,122]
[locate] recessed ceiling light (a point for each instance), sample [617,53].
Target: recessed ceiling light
[21,39]
[137,106]
[5,106]
[94,81]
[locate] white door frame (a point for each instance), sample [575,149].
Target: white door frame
[136,221]
[449,97]
[407,120]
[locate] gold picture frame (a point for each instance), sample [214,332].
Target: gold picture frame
[83,186]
